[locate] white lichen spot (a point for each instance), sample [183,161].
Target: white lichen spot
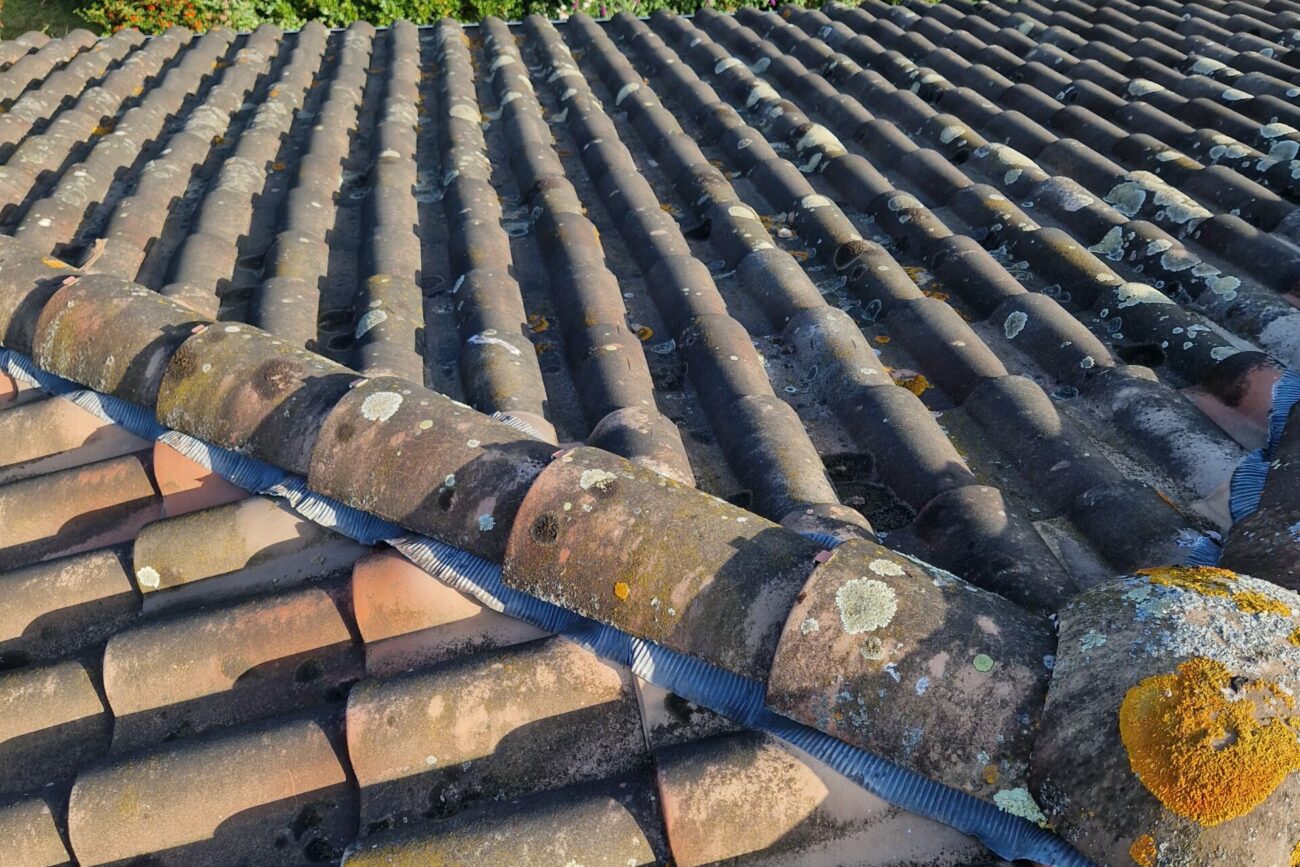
[809,626]
[922,684]
[886,567]
[148,577]
[381,405]
[431,760]
[1131,294]
[1087,362]
[1018,802]
[1092,640]
[865,605]
[1015,323]
[486,523]
[595,479]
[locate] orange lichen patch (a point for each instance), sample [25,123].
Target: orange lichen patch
[644,332]
[51,262]
[883,338]
[800,255]
[668,208]
[937,296]
[1143,851]
[1209,747]
[1254,602]
[1206,580]
[537,323]
[916,383]
[990,774]
[621,590]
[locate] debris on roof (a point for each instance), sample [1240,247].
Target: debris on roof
[796,436]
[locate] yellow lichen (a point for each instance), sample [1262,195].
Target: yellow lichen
[1212,581]
[644,332]
[537,323]
[883,338]
[1294,638]
[990,774]
[1143,851]
[1206,580]
[1208,747]
[916,383]
[621,590]
[1254,602]
[1295,856]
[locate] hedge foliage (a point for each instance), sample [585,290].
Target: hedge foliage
[155,16]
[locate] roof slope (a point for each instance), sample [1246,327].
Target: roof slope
[1010,289]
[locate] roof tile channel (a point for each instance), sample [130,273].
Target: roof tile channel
[393,304]
[770,451]
[288,302]
[31,159]
[1227,234]
[38,64]
[54,221]
[967,374]
[498,363]
[203,267]
[942,132]
[932,328]
[839,243]
[13,50]
[137,222]
[36,107]
[615,385]
[1159,255]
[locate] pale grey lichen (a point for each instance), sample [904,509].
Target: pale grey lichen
[1018,802]
[810,626]
[381,405]
[1015,323]
[886,567]
[865,605]
[595,479]
[1092,640]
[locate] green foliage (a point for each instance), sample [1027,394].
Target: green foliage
[154,16]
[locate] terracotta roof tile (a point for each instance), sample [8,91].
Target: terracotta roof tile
[186,674]
[496,725]
[615,822]
[233,549]
[273,794]
[748,796]
[409,622]
[699,348]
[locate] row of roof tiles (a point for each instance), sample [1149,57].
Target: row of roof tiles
[266,688]
[907,151]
